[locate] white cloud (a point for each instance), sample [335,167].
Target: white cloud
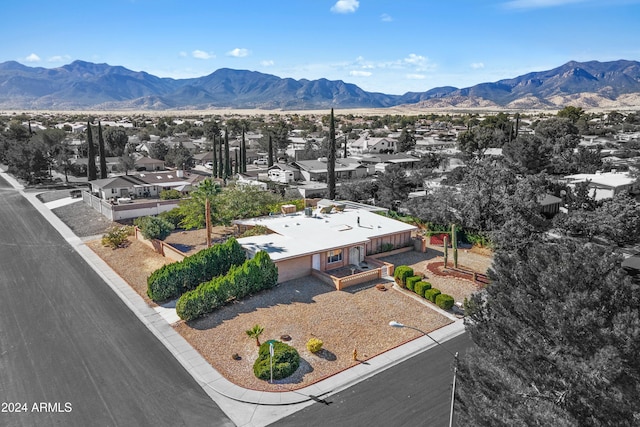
[238,52]
[537,4]
[477,65]
[200,54]
[416,60]
[357,73]
[32,58]
[345,6]
[416,76]
[267,63]
[386,17]
[59,58]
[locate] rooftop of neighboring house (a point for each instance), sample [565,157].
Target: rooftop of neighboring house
[164,178]
[299,234]
[606,179]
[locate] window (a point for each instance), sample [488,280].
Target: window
[334,256]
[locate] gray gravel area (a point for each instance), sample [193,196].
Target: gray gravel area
[83,220]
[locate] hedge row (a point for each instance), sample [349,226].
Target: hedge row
[172,280]
[241,280]
[422,288]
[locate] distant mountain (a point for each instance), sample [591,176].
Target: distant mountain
[85,85]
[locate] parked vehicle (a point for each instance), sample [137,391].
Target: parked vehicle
[262,162]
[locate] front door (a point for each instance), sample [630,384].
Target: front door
[315,261]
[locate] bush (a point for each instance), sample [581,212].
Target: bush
[285,361]
[116,237]
[411,281]
[431,294]
[241,280]
[171,280]
[174,216]
[444,301]
[420,287]
[170,195]
[401,273]
[314,345]
[153,227]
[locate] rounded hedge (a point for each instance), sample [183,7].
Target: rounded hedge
[421,287]
[431,294]
[444,301]
[401,273]
[285,361]
[411,281]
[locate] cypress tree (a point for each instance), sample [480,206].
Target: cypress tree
[227,160]
[103,158]
[236,166]
[243,153]
[345,147]
[220,159]
[91,154]
[331,159]
[270,154]
[215,159]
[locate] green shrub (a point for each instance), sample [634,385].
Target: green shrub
[174,216]
[411,281]
[314,345]
[170,194]
[116,237]
[172,280]
[154,227]
[401,273]
[285,361]
[241,280]
[444,301]
[420,287]
[431,294]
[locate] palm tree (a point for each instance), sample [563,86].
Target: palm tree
[255,332]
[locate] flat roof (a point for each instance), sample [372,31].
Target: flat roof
[296,234]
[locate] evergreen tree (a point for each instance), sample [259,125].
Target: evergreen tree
[103,158]
[270,153]
[331,158]
[243,153]
[215,158]
[556,340]
[91,154]
[220,159]
[227,159]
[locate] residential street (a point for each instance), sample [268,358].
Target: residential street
[416,392]
[71,352]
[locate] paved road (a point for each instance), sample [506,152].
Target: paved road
[414,393]
[68,342]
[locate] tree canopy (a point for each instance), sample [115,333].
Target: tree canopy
[557,336]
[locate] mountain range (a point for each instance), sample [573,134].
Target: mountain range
[88,86]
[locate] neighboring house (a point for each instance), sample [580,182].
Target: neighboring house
[605,185]
[283,173]
[381,161]
[549,204]
[316,170]
[367,144]
[204,157]
[149,164]
[302,242]
[143,185]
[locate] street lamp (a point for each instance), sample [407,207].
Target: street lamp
[395,324]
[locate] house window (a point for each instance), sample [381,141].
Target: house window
[334,256]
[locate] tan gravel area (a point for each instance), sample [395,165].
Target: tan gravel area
[476,260]
[357,319]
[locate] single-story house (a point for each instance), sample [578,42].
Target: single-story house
[316,170]
[149,164]
[302,242]
[605,185]
[367,144]
[143,185]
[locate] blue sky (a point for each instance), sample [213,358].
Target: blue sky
[389,46]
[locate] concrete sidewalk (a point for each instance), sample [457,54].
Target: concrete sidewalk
[245,407]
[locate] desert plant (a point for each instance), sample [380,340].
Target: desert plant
[285,361]
[314,345]
[116,237]
[170,194]
[444,301]
[431,294]
[255,332]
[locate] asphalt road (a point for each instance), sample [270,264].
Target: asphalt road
[414,393]
[71,352]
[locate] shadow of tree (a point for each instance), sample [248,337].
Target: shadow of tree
[298,375]
[327,355]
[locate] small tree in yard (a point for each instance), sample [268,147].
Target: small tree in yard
[255,332]
[154,227]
